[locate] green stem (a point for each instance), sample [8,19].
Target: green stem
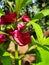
[19,62]
[17,56]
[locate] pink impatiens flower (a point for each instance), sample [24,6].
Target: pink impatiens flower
[25,18]
[2,38]
[20,26]
[22,38]
[10,32]
[1,21]
[8,18]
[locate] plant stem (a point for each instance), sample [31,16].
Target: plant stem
[17,56]
[19,62]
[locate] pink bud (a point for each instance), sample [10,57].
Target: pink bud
[25,18]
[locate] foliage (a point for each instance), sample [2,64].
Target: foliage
[42,43]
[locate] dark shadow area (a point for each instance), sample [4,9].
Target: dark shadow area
[26,63]
[33,51]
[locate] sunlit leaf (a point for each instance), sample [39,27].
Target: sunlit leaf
[44,56]
[1,12]
[47,41]
[8,54]
[21,4]
[38,31]
[1,32]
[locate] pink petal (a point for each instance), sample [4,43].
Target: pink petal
[20,26]
[25,18]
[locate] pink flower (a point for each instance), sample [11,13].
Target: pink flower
[10,32]
[25,18]
[1,21]
[8,18]
[22,38]
[20,26]
[2,38]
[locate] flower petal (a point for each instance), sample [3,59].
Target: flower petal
[25,18]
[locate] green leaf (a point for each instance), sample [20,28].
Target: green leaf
[40,15]
[44,55]
[9,3]
[8,54]
[1,12]
[33,42]
[6,60]
[47,41]
[21,4]
[26,2]
[1,47]
[18,5]
[5,45]
[1,52]
[1,32]
[39,32]
[10,26]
